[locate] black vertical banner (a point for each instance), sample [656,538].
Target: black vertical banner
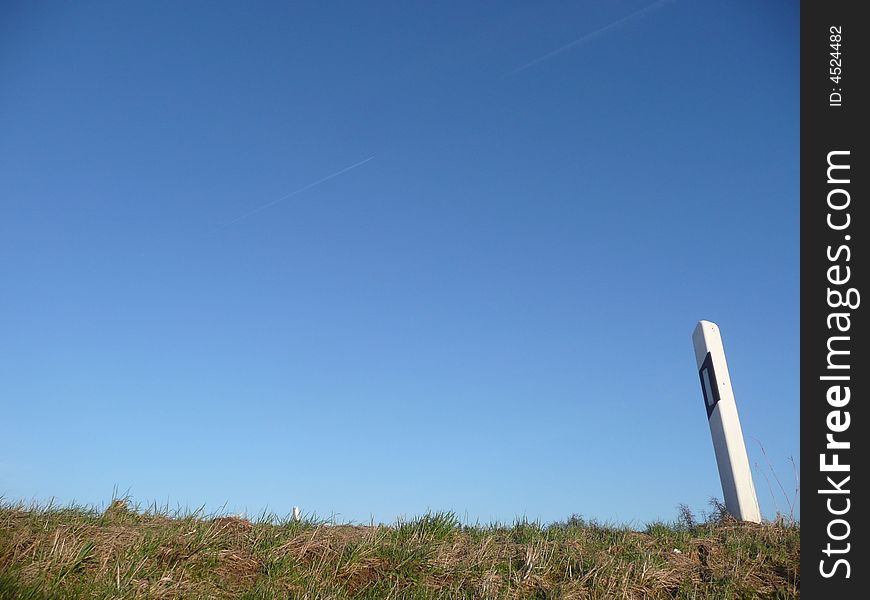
[835,372]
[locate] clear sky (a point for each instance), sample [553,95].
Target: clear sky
[374,258]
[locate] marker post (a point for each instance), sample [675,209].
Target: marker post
[731,458]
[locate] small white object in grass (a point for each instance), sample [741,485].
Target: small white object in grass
[677,551]
[295,513]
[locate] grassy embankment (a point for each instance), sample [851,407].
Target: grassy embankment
[76,552]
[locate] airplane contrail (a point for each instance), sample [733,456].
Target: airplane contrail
[593,34]
[251,213]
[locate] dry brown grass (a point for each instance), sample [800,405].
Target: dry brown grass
[122,553]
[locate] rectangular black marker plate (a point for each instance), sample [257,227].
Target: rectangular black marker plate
[709,385]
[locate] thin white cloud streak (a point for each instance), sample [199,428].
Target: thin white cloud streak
[594,34]
[263,207]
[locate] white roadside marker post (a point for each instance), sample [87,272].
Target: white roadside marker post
[295,513]
[731,458]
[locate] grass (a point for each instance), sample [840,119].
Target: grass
[49,552]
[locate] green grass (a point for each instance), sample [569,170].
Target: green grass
[123,552]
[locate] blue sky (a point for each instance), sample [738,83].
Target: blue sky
[492,315]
